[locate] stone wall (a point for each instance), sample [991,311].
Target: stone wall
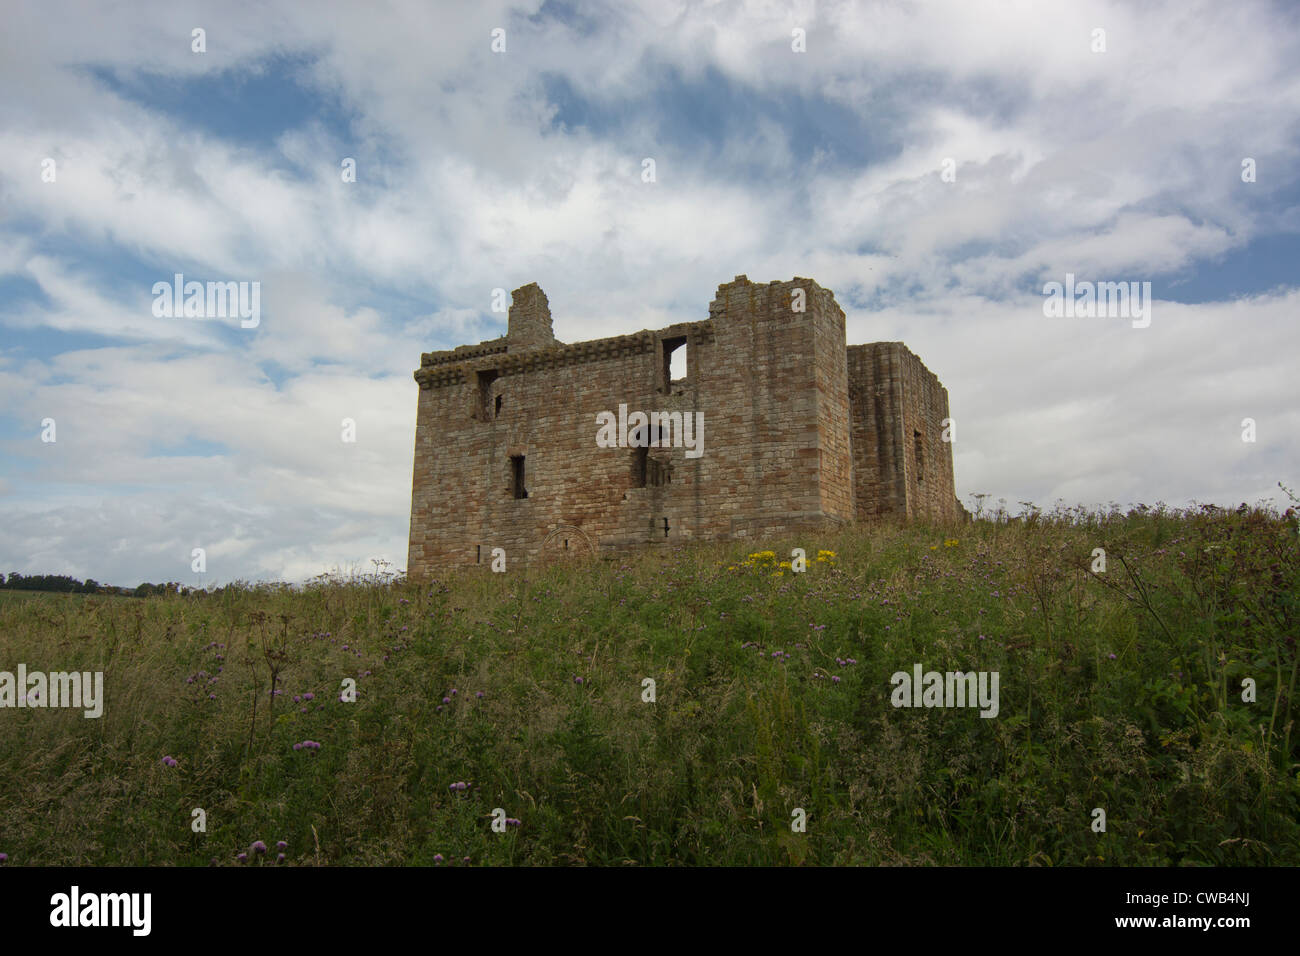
[902,467]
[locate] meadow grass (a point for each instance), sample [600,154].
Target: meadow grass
[1119,690]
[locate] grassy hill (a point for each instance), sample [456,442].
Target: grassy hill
[1120,690]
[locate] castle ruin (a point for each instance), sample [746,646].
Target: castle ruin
[778,425]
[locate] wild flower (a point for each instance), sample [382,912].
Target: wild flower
[437,858]
[281,845]
[169,761]
[258,846]
[242,858]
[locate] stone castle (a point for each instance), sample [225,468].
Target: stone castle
[550,450]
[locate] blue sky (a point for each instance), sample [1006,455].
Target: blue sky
[479,170]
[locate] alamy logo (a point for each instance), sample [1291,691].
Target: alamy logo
[56,689]
[102,909]
[218,300]
[1090,300]
[673,430]
[951,689]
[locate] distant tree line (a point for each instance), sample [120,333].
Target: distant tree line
[69,585]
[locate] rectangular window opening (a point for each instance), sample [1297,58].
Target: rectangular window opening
[517,477]
[478,554]
[640,466]
[674,363]
[498,414]
[920,455]
[485,380]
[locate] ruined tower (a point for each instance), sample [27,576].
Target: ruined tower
[546,449]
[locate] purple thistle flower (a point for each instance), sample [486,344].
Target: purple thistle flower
[169,761]
[4,858]
[437,858]
[297,746]
[242,858]
[309,696]
[258,846]
[446,700]
[478,693]
[279,858]
[577,680]
[835,679]
[1112,657]
[212,697]
[452,692]
[281,845]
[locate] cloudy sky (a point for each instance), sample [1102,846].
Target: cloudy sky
[934,164]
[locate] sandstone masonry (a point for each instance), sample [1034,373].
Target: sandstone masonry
[801,431]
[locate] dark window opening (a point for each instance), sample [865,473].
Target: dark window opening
[665,527]
[674,363]
[517,488]
[566,544]
[640,463]
[920,456]
[485,380]
[649,472]
[478,554]
[498,414]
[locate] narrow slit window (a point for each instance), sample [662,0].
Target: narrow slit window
[498,411]
[920,455]
[517,488]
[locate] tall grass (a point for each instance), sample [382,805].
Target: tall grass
[1120,690]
